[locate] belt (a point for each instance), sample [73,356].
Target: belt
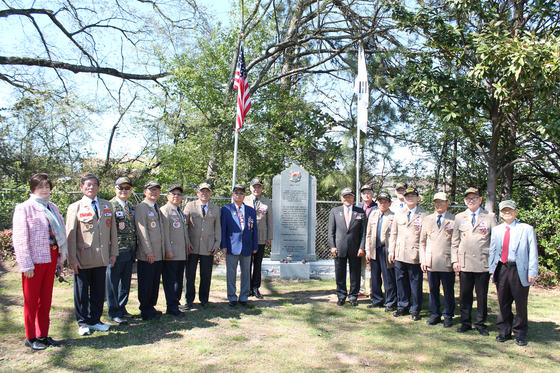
[380,247]
[510,264]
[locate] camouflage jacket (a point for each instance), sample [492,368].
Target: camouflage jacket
[126,228]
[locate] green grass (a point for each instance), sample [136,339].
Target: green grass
[297,328]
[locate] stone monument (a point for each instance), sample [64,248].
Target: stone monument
[294,194]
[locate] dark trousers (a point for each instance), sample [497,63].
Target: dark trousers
[256,267]
[118,284]
[355,266]
[478,282]
[510,289]
[380,271]
[89,295]
[447,280]
[206,266]
[172,276]
[409,285]
[149,276]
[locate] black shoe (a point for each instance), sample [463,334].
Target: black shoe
[389,309]
[232,303]
[243,303]
[464,328]
[118,320]
[176,313]
[257,294]
[340,302]
[520,342]
[127,315]
[34,344]
[185,307]
[158,313]
[376,305]
[48,341]
[433,320]
[401,312]
[502,338]
[204,305]
[150,318]
[416,316]
[353,302]
[447,322]
[483,332]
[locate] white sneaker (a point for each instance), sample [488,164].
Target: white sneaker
[84,330]
[100,327]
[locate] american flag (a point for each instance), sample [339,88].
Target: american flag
[243,94]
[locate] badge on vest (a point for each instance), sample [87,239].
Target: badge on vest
[153,224]
[173,212]
[119,214]
[150,213]
[176,224]
[121,225]
[108,222]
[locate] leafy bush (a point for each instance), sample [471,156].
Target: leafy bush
[544,216]
[6,245]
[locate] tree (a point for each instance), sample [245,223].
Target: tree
[490,70]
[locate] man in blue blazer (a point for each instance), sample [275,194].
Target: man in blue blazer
[514,266]
[240,239]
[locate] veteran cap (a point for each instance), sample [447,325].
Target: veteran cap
[509,203]
[411,191]
[401,185]
[256,181]
[441,196]
[346,191]
[204,186]
[366,187]
[384,195]
[173,187]
[237,187]
[123,180]
[472,191]
[151,184]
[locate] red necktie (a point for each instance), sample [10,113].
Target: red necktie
[347,218]
[505,247]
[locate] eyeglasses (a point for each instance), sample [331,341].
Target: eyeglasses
[472,199]
[238,192]
[124,187]
[177,194]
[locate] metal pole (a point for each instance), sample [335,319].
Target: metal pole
[358,194]
[235,158]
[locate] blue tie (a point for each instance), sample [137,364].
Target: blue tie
[379,224]
[439,221]
[410,212]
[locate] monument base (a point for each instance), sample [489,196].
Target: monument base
[319,270]
[294,271]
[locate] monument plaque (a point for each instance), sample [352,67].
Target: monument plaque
[294,194]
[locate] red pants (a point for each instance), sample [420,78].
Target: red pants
[37,298]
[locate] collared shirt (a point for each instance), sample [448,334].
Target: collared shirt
[121,202]
[476,213]
[242,208]
[89,201]
[347,210]
[369,208]
[204,208]
[513,230]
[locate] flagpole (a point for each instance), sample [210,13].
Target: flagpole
[235,158]
[358,195]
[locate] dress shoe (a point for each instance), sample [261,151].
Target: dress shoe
[127,315]
[158,313]
[353,302]
[401,312]
[377,305]
[176,313]
[36,345]
[340,302]
[447,322]
[185,307]
[232,303]
[502,338]
[118,320]
[84,330]
[100,327]
[520,342]
[483,332]
[243,303]
[49,342]
[150,318]
[204,305]
[464,328]
[433,320]
[257,294]
[416,316]
[389,309]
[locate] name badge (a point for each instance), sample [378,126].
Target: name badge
[86,215]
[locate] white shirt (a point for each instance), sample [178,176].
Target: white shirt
[513,230]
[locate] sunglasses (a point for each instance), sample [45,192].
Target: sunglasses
[124,188]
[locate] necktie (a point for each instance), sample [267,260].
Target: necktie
[439,221]
[203,210]
[379,224]
[410,212]
[255,203]
[473,219]
[127,211]
[156,208]
[181,214]
[95,209]
[505,247]
[347,217]
[240,214]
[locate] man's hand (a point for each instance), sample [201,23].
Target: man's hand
[169,255]
[424,268]
[150,258]
[456,267]
[75,267]
[29,274]
[361,253]
[531,279]
[214,251]
[255,251]
[391,258]
[368,257]
[334,252]
[224,250]
[113,260]
[191,249]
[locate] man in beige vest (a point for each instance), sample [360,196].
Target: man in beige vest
[377,240]
[92,246]
[153,243]
[403,251]
[205,234]
[263,206]
[469,254]
[176,258]
[435,258]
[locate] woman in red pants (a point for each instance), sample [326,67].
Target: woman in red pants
[39,238]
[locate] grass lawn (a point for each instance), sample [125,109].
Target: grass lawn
[297,328]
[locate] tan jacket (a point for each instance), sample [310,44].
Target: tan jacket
[205,232]
[265,223]
[150,230]
[435,243]
[405,235]
[371,237]
[91,241]
[471,245]
[177,231]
